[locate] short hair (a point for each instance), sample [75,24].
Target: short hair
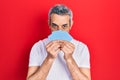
[60,9]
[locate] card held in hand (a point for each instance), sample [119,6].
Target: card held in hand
[60,35]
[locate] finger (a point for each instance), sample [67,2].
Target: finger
[52,42]
[55,41]
[61,44]
[58,50]
[68,46]
[49,44]
[69,43]
[54,46]
[65,49]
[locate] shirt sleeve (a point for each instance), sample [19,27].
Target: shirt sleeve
[36,57]
[83,58]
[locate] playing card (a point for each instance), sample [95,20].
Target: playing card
[60,35]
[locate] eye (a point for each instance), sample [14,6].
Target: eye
[65,26]
[54,25]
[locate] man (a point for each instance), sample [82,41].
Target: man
[59,59]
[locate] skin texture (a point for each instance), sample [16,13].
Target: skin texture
[59,22]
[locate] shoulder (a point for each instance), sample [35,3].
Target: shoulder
[41,42]
[39,48]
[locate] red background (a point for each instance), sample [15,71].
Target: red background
[24,22]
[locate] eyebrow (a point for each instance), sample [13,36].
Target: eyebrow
[64,24]
[54,24]
[57,25]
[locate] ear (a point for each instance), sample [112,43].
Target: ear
[48,22]
[71,24]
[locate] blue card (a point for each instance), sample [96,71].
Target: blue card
[60,35]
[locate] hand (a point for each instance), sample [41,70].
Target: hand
[67,48]
[53,48]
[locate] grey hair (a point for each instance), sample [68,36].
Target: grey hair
[60,9]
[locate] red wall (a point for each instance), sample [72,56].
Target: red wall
[96,23]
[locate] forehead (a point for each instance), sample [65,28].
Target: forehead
[55,18]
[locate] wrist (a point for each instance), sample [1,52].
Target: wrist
[50,59]
[68,58]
